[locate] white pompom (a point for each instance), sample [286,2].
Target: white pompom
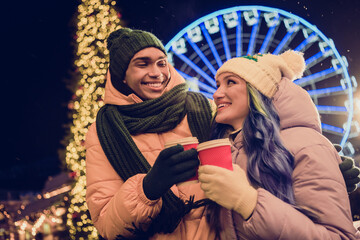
[295,61]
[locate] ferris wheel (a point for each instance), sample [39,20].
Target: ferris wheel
[199,49]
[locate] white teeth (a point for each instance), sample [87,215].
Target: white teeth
[223,105]
[153,84]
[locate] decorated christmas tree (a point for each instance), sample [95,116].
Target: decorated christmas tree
[95,21]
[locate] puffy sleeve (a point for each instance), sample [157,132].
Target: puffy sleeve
[114,205]
[319,189]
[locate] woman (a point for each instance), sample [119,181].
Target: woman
[286,182]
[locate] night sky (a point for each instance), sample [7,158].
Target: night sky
[38,51]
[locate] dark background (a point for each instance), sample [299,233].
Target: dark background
[38,51]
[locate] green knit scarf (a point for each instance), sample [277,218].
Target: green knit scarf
[116,124]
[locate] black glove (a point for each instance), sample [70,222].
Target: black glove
[349,171]
[172,166]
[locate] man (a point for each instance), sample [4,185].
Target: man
[147,104]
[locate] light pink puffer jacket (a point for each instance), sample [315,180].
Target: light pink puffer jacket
[317,181]
[114,204]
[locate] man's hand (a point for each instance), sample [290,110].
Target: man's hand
[173,165]
[349,171]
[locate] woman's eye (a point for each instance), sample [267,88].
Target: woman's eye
[230,82]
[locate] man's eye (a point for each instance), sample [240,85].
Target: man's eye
[141,64]
[162,63]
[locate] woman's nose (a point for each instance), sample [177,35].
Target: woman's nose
[218,93]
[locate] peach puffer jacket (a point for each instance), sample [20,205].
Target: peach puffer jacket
[114,204]
[317,181]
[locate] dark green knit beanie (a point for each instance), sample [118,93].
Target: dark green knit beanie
[123,44]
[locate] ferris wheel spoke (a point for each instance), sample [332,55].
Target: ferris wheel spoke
[310,39]
[211,44]
[255,27]
[325,91]
[208,95]
[334,94]
[251,46]
[224,38]
[269,36]
[318,57]
[323,109]
[201,85]
[332,129]
[272,20]
[200,54]
[195,67]
[316,77]
[239,36]
[287,37]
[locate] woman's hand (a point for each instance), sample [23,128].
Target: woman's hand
[229,189]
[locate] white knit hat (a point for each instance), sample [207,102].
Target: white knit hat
[264,71]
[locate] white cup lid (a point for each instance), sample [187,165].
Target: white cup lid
[181,141]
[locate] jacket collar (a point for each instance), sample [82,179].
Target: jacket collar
[236,139]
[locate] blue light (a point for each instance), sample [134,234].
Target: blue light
[286,38]
[200,54]
[325,90]
[238,37]
[267,39]
[316,56]
[211,44]
[200,84]
[323,73]
[254,31]
[208,95]
[305,42]
[332,128]
[196,68]
[224,38]
[331,108]
[184,75]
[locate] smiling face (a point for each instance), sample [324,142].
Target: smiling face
[148,73]
[231,98]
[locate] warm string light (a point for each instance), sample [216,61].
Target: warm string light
[57,192]
[53,217]
[37,224]
[96,20]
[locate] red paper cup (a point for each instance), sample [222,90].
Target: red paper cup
[216,152]
[187,143]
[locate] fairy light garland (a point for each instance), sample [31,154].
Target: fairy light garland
[96,20]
